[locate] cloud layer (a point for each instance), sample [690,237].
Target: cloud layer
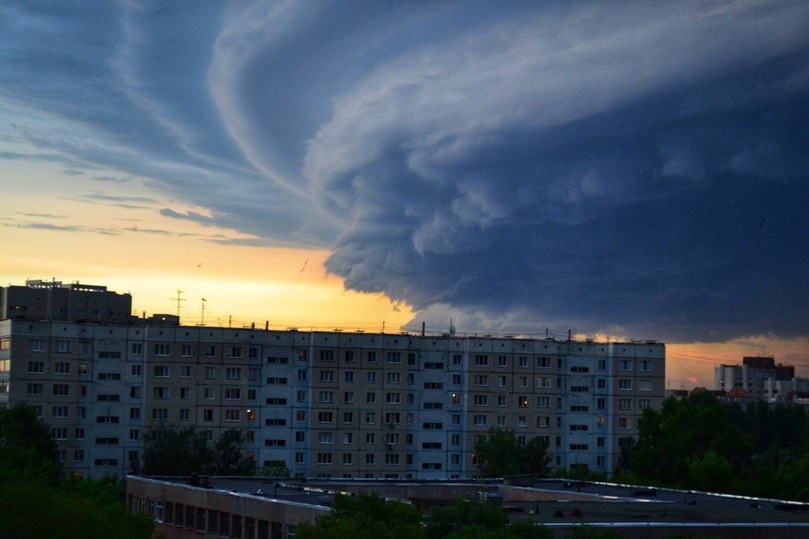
[637,168]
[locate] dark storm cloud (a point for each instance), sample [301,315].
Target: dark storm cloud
[635,168]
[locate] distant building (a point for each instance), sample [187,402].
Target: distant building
[75,302]
[326,404]
[759,378]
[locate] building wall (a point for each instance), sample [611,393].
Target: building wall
[328,404]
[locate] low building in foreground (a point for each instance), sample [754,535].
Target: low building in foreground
[269,509]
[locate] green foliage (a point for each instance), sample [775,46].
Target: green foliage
[82,510]
[476,518]
[173,451]
[228,455]
[699,443]
[365,515]
[26,447]
[499,454]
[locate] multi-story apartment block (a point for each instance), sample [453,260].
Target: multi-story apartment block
[760,378]
[53,300]
[327,404]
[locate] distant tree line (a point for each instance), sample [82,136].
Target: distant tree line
[701,443]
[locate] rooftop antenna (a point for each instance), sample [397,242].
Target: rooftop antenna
[203,311]
[179,298]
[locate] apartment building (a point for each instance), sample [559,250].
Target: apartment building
[760,378]
[327,404]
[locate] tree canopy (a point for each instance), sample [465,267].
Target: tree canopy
[700,443]
[185,451]
[26,446]
[499,454]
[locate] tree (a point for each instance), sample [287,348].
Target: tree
[228,455]
[477,518]
[170,451]
[365,515]
[26,446]
[500,454]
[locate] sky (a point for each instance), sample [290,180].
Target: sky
[619,170]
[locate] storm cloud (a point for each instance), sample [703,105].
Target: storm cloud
[635,168]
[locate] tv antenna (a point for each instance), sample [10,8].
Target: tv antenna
[179,299]
[203,312]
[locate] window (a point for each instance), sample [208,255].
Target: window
[579,408]
[324,458]
[644,385]
[327,355]
[394,357]
[645,365]
[233,393]
[371,377]
[59,433]
[370,397]
[210,351]
[578,447]
[543,422]
[370,418]
[161,371]
[543,402]
[35,389]
[233,373]
[392,418]
[625,384]
[393,398]
[234,352]
[369,458]
[300,395]
[187,350]
[137,349]
[625,422]
[348,417]
[208,393]
[481,400]
[579,428]
[62,346]
[185,414]
[36,345]
[481,380]
[185,371]
[348,376]
[601,403]
[325,417]
[61,390]
[481,361]
[391,459]
[392,438]
[624,404]
[348,397]
[160,393]
[61,367]
[160,414]
[625,365]
[136,370]
[78,455]
[36,367]
[579,389]
[479,420]
[371,357]
[601,422]
[522,401]
[301,375]
[277,381]
[579,369]
[326,396]
[644,403]
[210,373]
[162,349]
[543,382]
[327,376]
[394,378]
[59,412]
[325,437]
[543,362]
[502,361]
[502,381]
